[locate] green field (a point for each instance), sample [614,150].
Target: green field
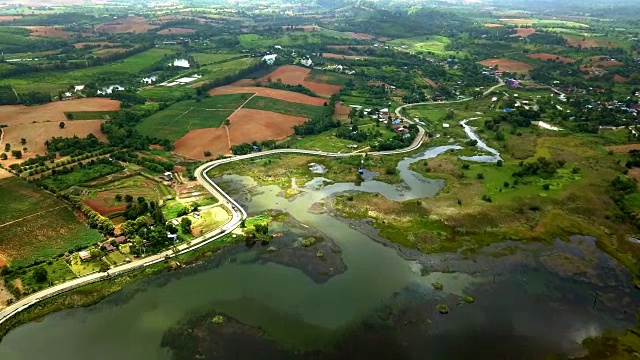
[430,43]
[53,81]
[175,121]
[255,41]
[81,175]
[328,77]
[168,94]
[90,115]
[41,225]
[218,71]
[206,59]
[283,107]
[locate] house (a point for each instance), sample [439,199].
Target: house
[445,125]
[84,255]
[107,246]
[175,222]
[255,148]
[168,176]
[121,240]
[513,83]
[173,237]
[384,111]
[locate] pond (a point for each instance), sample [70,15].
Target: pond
[531,300]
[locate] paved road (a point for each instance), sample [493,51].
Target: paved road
[238,214]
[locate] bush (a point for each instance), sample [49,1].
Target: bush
[466,166]
[480,176]
[487,198]
[499,163]
[506,184]
[207,153]
[546,186]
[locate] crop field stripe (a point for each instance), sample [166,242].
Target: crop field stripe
[28,216]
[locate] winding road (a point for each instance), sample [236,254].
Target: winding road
[238,214]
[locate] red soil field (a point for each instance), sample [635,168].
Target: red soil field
[196,142]
[607,63]
[589,43]
[102,208]
[4,18]
[176,30]
[135,24]
[545,57]
[524,32]
[620,79]
[362,36]
[47,31]
[268,92]
[507,65]
[623,149]
[104,52]
[80,45]
[430,82]
[37,134]
[493,25]
[18,114]
[249,125]
[295,75]
[341,112]
[346,57]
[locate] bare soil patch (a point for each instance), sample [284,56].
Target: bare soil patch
[196,142]
[5,174]
[635,173]
[361,36]
[341,112]
[607,63]
[524,32]
[12,115]
[37,134]
[493,25]
[135,24]
[345,57]
[4,18]
[81,45]
[175,31]
[295,75]
[249,125]
[545,57]
[589,43]
[105,52]
[507,65]
[268,92]
[620,79]
[48,31]
[430,82]
[623,149]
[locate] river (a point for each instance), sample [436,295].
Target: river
[531,299]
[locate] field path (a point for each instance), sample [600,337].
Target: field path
[15,92]
[226,128]
[32,215]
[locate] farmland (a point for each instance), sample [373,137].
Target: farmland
[430,44]
[36,225]
[508,65]
[59,80]
[178,119]
[296,75]
[271,93]
[103,199]
[283,107]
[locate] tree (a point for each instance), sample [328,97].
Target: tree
[185,225]
[118,197]
[3,156]
[61,125]
[23,141]
[207,153]
[40,275]
[16,154]
[227,122]
[499,163]
[128,198]
[7,147]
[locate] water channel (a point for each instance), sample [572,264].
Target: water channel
[531,300]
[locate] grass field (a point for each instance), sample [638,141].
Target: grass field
[36,225]
[178,119]
[206,59]
[168,94]
[431,43]
[283,107]
[59,80]
[328,77]
[89,115]
[81,175]
[58,272]
[218,71]
[103,200]
[255,41]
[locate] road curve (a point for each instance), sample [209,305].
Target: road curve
[238,214]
